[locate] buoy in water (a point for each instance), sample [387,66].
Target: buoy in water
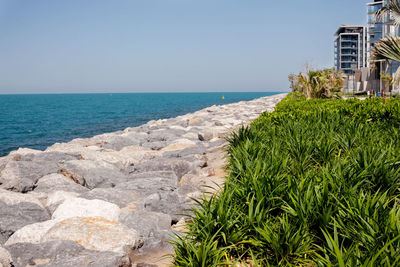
[223,97]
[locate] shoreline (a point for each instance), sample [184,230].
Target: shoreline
[136,180]
[41,121]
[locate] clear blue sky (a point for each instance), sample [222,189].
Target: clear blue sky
[56,46]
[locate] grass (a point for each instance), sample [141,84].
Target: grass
[315,183]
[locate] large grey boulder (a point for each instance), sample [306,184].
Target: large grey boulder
[146,223]
[21,173]
[63,254]
[168,202]
[58,182]
[148,182]
[179,167]
[165,135]
[194,150]
[117,142]
[94,173]
[122,197]
[14,217]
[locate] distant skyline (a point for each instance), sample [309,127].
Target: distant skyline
[95,46]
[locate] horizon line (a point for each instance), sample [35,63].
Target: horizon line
[155,92]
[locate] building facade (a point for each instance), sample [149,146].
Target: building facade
[353,45]
[378,30]
[351,48]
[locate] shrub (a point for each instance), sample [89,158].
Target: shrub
[314,183]
[317,83]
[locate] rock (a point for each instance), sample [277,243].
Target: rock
[149,185]
[195,121]
[25,170]
[209,171]
[14,217]
[5,258]
[179,145]
[49,157]
[217,143]
[25,151]
[80,207]
[144,265]
[180,167]
[56,198]
[164,135]
[155,145]
[168,202]
[14,198]
[95,233]
[21,176]
[31,233]
[181,225]
[122,197]
[63,253]
[205,136]
[58,182]
[93,173]
[146,223]
[192,150]
[117,142]
[151,180]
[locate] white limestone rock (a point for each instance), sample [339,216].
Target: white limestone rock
[5,258]
[31,233]
[95,233]
[80,207]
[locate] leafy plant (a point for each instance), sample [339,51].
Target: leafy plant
[315,183]
[317,83]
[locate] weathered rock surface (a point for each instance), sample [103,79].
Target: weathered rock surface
[96,234]
[5,258]
[115,199]
[18,210]
[63,253]
[58,182]
[80,207]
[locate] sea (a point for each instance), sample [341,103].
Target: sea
[39,120]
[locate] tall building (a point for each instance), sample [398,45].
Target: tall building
[351,48]
[378,30]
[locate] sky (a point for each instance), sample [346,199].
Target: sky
[85,46]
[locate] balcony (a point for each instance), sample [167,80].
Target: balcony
[348,46]
[349,52]
[349,39]
[348,61]
[348,66]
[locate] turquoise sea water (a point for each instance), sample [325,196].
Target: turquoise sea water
[38,121]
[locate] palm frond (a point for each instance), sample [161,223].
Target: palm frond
[391,9]
[387,49]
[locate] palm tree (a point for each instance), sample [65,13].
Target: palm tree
[388,48]
[392,8]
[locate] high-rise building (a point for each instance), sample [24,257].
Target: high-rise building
[378,29]
[350,48]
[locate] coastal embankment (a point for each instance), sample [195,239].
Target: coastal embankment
[114,199]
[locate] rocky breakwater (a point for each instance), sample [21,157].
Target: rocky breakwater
[113,199]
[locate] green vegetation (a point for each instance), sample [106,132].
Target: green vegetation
[317,83]
[315,183]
